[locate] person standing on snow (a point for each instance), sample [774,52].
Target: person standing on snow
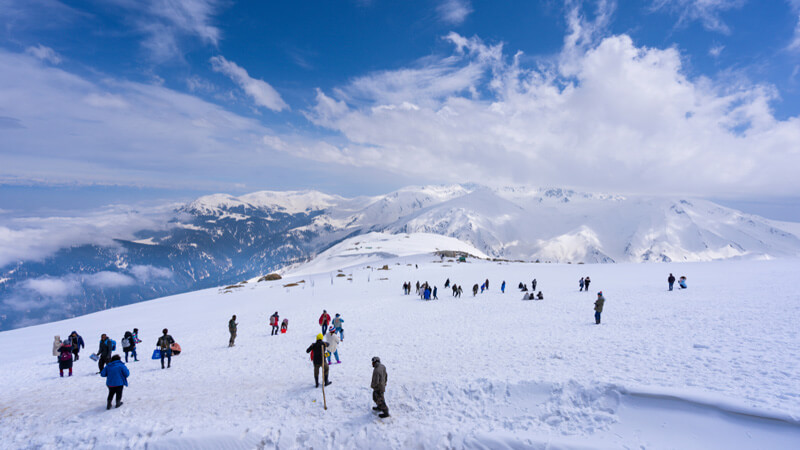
[378,385]
[475,290]
[486,284]
[116,379]
[598,307]
[129,345]
[103,352]
[273,321]
[232,330]
[435,296]
[337,323]
[503,287]
[533,285]
[77,343]
[65,358]
[324,321]
[317,350]
[580,284]
[586,282]
[164,343]
[333,344]
[671,281]
[56,345]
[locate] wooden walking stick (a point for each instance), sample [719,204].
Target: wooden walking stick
[324,377]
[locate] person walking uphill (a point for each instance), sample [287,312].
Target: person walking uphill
[273,322]
[116,378]
[379,379]
[164,343]
[333,344]
[232,329]
[598,307]
[103,352]
[77,344]
[129,346]
[65,358]
[317,350]
[337,323]
[324,321]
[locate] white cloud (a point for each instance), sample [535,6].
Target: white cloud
[716,50]
[707,12]
[165,23]
[146,273]
[52,287]
[44,53]
[106,279]
[795,42]
[454,12]
[259,90]
[608,115]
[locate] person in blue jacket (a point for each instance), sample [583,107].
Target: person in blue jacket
[77,344]
[116,374]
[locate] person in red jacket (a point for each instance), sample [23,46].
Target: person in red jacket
[324,321]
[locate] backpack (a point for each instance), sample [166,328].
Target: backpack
[126,343]
[112,344]
[65,355]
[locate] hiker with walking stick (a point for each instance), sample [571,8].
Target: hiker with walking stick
[317,350]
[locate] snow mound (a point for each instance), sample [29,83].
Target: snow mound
[372,247]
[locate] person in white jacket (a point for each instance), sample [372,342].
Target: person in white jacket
[333,343]
[56,345]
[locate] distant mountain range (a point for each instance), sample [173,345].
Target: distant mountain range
[221,239]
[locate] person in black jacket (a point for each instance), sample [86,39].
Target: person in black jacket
[103,352]
[671,281]
[317,350]
[165,344]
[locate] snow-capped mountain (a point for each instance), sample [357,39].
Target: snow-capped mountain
[221,239]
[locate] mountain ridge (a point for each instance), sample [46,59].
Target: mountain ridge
[221,239]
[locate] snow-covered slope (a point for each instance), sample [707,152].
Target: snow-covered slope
[373,247]
[713,366]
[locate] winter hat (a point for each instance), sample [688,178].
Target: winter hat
[600,293]
[332,330]
[337,314]
[375,359]
[319,337]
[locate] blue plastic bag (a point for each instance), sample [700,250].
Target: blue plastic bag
[157,353]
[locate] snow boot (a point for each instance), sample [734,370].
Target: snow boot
[118,404]
[375,408]
[328,383]
[383,415]
[108,406]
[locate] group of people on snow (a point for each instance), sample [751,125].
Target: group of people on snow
[584,284]
[681,281]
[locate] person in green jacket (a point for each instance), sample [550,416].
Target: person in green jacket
[598,306]
[232,329]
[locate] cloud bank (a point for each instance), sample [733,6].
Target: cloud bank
[606,115]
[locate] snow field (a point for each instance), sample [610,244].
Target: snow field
[714,366]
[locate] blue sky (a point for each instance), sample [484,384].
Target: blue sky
[119,101]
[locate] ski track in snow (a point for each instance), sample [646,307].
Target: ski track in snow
[714,366]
